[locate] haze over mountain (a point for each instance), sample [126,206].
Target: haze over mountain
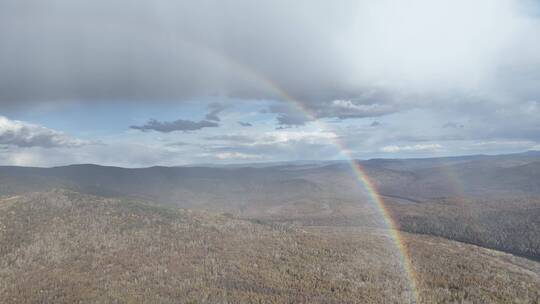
[466,176]
[491,201]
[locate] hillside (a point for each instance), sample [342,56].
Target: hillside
[492,201]
[421,179]
[65,247]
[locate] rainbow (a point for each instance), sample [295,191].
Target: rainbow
[363,178]
[371,188]
[359,172]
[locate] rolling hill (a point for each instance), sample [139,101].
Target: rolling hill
[492,201]
[65,247]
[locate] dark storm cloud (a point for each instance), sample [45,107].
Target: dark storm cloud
[177,125]
[62,50]
[316,51]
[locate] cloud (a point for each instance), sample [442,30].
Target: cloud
[343,109]
[177,144]
[453,125]
[245,124]
[238,156]
[231,138]
[367,58]
[215,109]
[287,120]
[286,144]
[411,65]
[177,125]
[305,136]
[276,145]
[391,149]
[113,154]
[366,105]
[413,148]
[276,137]
[288,116]
[211,121]
[25,135]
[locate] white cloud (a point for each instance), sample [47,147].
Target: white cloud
[391,149]
[411,148]
[350,109]
[288,136]
[237,156]
[438,45]
[22,134]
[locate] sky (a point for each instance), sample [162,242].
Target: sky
[144,83]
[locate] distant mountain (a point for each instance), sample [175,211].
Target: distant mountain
[500,160]
[270,191]
[415,178]
[492,201]
[220,188]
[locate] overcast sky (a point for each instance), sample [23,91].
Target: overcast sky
[142,83]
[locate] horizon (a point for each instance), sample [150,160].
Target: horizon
[262,164]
